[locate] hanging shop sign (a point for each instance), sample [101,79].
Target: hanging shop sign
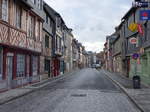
[144,15]
[140,4]
[133,40]
[135,56]
[133,27]
[138,61]
[142,50]
[140,29]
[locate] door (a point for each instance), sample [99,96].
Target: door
[49,68]
[9,71]
[128,67]
[28,66]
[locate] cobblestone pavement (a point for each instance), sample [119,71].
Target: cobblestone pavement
[87,90]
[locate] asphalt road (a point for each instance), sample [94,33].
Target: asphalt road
[87,90]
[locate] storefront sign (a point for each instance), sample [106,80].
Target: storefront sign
[135,56]
[133,27]
[10,54]
[133,40]
[140,4]
[144,15]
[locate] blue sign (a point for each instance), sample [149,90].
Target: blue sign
[140,4]
[144,15]
[135,56]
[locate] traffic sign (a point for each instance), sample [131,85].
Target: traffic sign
[144,15]
[133,40]
[135,56]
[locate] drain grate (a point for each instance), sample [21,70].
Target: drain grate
[78,95]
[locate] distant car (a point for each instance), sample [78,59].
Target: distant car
[93,66]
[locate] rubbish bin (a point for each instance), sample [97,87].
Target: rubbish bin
[136,82]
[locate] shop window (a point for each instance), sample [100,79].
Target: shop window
[20,65]
[4,11]
[35,65]
[1,55]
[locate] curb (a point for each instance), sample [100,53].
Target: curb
[34,89]
[124,90]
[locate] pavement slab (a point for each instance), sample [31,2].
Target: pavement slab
[140,96]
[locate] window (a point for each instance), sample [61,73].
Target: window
[134,17]
[34,65]
[18,17]
[38,30]
[47,18]
[46,41]
[145,27]
[1,55]
[20,65]
[60,48]
[58,44]
[58,22]
[31,29]
[33,1]
[39,4]
[5,10]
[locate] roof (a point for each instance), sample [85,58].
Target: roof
[131,10]
[26,3]
[49,10]
[52,12]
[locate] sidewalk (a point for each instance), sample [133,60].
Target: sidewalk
[19,92]
[140,97]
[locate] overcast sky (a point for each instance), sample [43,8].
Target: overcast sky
[91,20]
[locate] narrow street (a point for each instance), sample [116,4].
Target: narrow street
[87,90]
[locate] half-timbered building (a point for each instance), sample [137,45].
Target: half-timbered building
[20,42]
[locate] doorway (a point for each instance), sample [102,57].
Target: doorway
[9,70]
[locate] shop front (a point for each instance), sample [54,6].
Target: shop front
[145,67]
[56,67]
[20,67]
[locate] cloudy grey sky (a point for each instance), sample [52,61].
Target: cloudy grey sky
[91,20]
